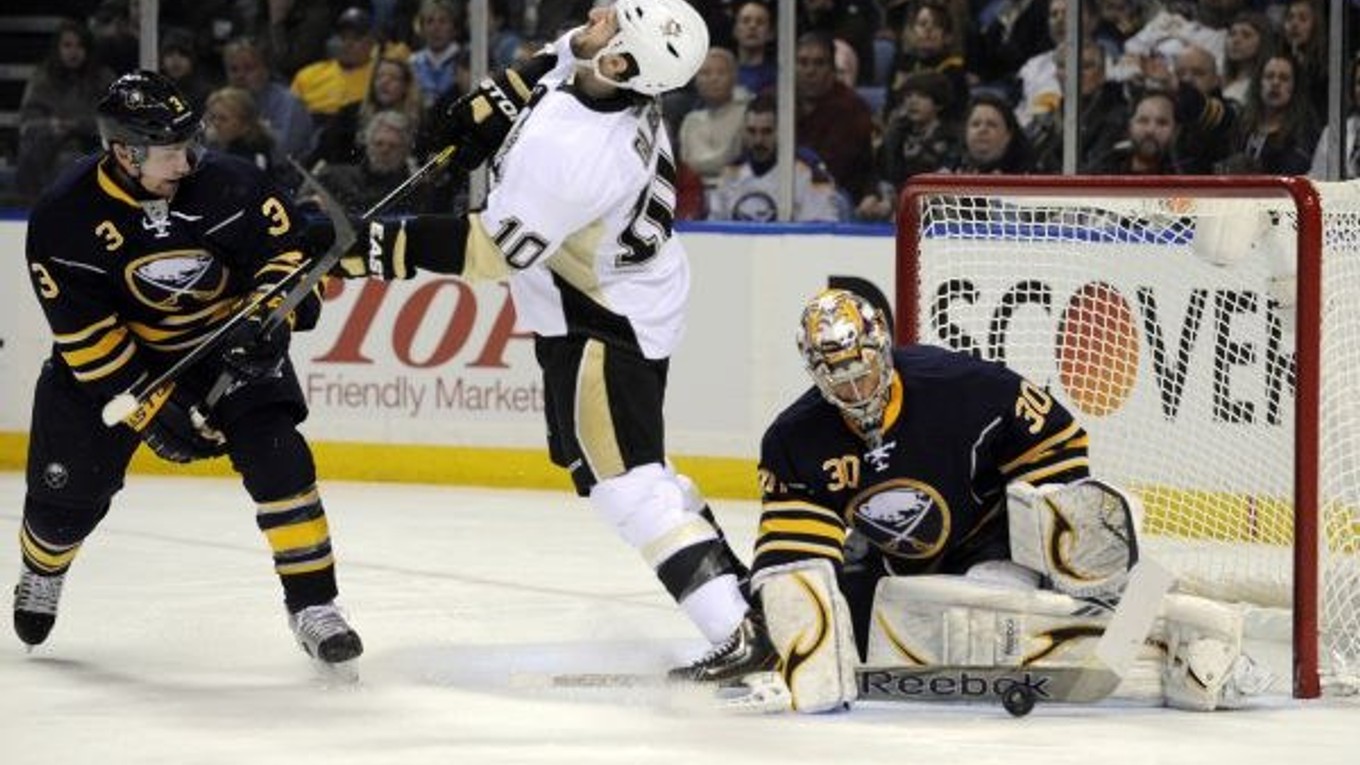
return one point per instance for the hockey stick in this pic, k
(293, 288)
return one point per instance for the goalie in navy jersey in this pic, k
(137, 254)
(921, 506)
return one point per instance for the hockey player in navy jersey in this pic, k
(578, 218)
(921, 506)
(136, 255)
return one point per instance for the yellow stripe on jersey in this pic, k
(804, 527)
(96, 351)
(105, 370)
(799, 505)
(834, 552)
(1040, 474)
(111, 188)
(86, 332)
(1072, 431)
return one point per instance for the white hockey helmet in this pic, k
(667, 41)
(847, 347)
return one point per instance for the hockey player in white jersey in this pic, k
(578, 217)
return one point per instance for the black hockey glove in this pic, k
(170, 427)
(398, 248)
(478, 122)
(252, 354)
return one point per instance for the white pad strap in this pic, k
(1080, 535)
(809, 624)
(1205, 667)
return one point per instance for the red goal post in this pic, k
(1185, 321)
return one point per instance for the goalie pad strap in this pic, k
(809, 624)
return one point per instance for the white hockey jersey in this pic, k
(581, 204)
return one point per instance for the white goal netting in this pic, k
(1169, 321)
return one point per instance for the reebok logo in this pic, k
(959, 683)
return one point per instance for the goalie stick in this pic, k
(292, 289)
(1133, 618)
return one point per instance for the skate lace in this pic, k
(318, 623)
(38, 594)
(719, 651)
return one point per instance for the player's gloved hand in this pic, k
(174, 429)
(379, 252)
(251, 353)
(478, 122)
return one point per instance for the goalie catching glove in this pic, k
(171, 427)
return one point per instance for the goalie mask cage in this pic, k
(1206, 331)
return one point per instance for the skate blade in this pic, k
(338, 675)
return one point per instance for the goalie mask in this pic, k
(847, 348)
(666, 41)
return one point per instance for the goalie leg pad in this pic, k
(954, 620)
(1081, 535)
(809, 624)
(1205, 668)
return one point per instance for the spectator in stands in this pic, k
(288, 121)
(56, 111)
(328, 86)
(1350, 164)
(747, 189)
(1005, 35)
(918, 138)
(992, 139)
(1251, 37)
(928, 43)
(855, 21)
(232, 125)
(393, 87)
(298, 31)
(388, 138)
(1169, 31)
(753, 31)
(1278, 129)
(1150, 146)
(437, 66)
(1117, 21)
(116, 43)
(1305, 34)
(711, 136)
(831, 119)
(1102, 115)
(1204, 117)
(1040, 86)
(505, 36)
(179, 61)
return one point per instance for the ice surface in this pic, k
(172, 647)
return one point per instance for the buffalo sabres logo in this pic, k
(166, 280)
(904, 518)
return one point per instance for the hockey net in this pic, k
(1206, 331)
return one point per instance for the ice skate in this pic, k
(324, 634)
(747, 650)
(35, 605)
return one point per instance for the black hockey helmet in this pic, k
(145, 109)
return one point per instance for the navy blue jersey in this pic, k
(129, 285)
(956, 431)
